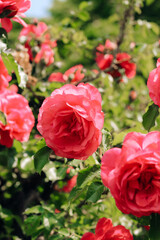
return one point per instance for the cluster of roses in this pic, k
(18, 119)
(42, 49)
(71, 120)
(115, 66)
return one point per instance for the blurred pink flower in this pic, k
(13, 9)
(74, 74)
(153, 84)
(33, 31)
(45, 53)
(4, 76)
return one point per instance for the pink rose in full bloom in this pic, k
(19, 118)
(106, 231)
(71, 120)
(133, 174)
(4, 76)
(153, 84)
(13, 9)
(45, 53)
(74, 74)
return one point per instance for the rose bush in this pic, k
(153, 84)
(13, 9)
(19, 118)
(106, 231)
(133, 173)
(71, 120)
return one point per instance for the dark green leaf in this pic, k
(61, 172)
(41, 158)
(31, 224)
(87, 175)
(154, 232)
(94, 192)
(75, 193)
(150, 116)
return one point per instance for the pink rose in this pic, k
(104, 61)
(13, 9)
(108, 46)
(106, 231)
(45, 53)
(38, 31)
(133, 174)
(74, 74)
(153, 84)
(71, 121)
(4, 76)
(124, 61)
(33, 31)
(19, 117)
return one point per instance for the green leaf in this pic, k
(36, 210)
(41, 144)
(84, 16)
(3, 118)
(41, 158)
(87, 175)
(94, 192)
(12, 66)
(75, 193)
(84, 5)
(149, 2)
(61, 172)
(150, 116)
(31, 224)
